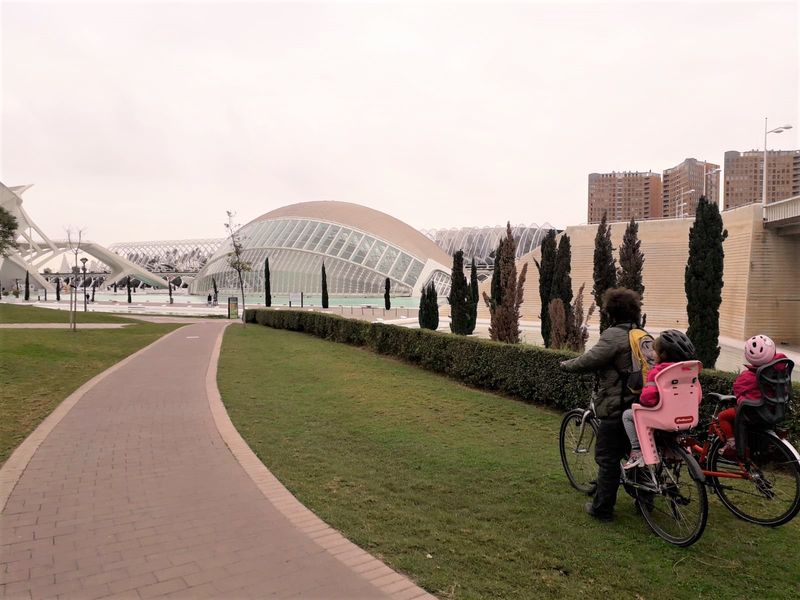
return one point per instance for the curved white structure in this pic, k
(481, 242)
(360, 247)
(33, 254)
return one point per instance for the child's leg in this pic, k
(726, 419)
(630, 429)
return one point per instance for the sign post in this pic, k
(233, 307)
(296, 298)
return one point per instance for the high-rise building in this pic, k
(744, 176)
(684, 184)
(624, 195)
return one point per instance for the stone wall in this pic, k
(762, 275)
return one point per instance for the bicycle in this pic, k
(761, 483)
(670, 490)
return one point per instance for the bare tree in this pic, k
(235, 258)
(558, 324)
(74, 239)
(578, 332)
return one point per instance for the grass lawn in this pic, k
(41, 367)
(463, 490)
(15, 313)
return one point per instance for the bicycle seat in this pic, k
(677, 410)
(721, 397)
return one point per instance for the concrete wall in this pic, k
(762, 275)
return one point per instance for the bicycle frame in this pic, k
(715, 432)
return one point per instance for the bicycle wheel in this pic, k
(677, 507)
(769, 491)
(576, 441)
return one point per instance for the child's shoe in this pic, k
(728, 451)
(635, 460)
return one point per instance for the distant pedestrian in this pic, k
(209, 299)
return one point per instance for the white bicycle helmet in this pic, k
(759, 350)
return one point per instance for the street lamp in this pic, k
(83, 260)
(780, 129)
(73, 298)
(680, 205)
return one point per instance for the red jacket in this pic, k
(649, 395)
(746, 385)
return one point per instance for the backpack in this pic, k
(643, 357)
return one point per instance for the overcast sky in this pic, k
(142, 121)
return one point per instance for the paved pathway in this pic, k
(143, 489)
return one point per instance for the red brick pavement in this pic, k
(134, 494)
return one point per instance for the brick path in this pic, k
(135, 494)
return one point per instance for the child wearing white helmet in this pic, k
(758, 351)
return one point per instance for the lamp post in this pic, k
(73, 298)
(780, 129)
(83, 261)
(680, 205)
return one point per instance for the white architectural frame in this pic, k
(31, 254)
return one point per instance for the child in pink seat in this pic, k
(758, 351)
(671, 346)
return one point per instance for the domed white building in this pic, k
(360, 247)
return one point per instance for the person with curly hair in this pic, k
(609, 358)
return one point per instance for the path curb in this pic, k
(360, 562)
(16, 464)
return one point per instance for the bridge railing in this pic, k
(782, 211)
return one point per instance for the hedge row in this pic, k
(529, 373)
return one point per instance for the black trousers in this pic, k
(612, 446)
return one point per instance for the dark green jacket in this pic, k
(610, 357)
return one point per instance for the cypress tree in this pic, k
(631, 260)
(58, 289)
(459, 296)
(546, 268)
(387, 298)
(422, 316)
(429, 308)
(433, 307)
(27, 286)
(505, 313)
(605, 271)
(216, 292)
(267, 285)
(94, 285)
(703, 281)
(473, 297)
(128, 286)
(497, 289)
(324, 287)
(562, 279)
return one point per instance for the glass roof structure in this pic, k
(481, 242)
(168, 256)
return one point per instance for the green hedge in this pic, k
(529, 373)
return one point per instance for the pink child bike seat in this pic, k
(678, 407)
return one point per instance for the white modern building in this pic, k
(360, 247)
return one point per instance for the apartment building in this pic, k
(744, 176)
(684, 184)
(622, 195)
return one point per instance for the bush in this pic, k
(528, 373)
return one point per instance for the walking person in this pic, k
(609, 359)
